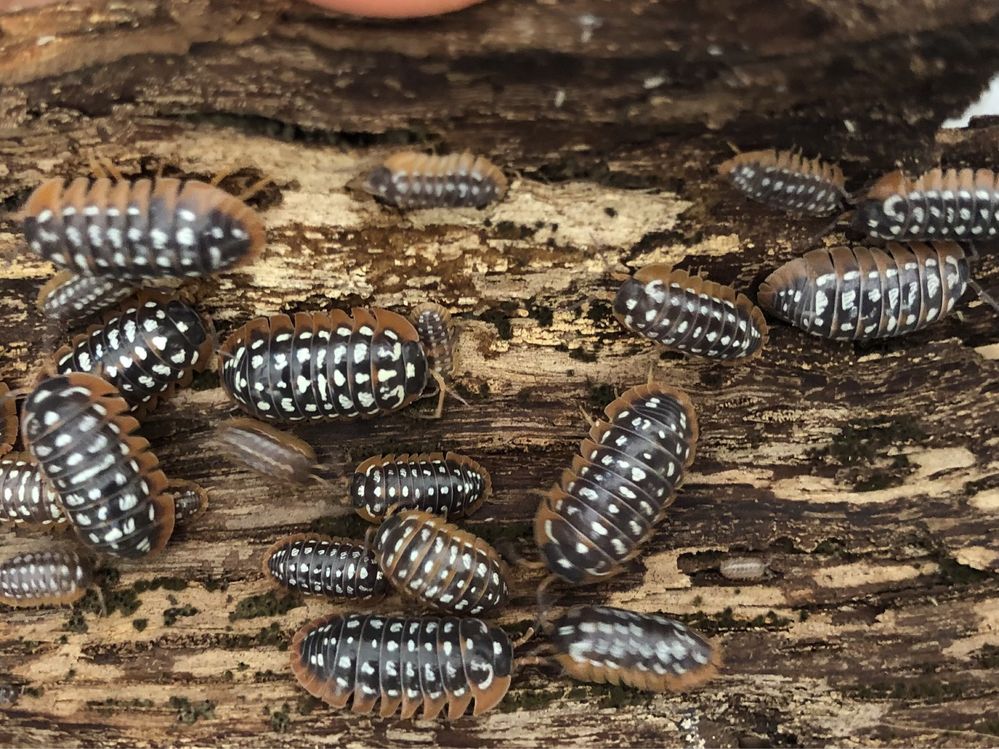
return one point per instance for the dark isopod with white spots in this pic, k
(110, 486)
(403, 663)
(609, 503)
(452, 485)
(787, 181)
(131, 230)
(262, 448)
(324, 366)
(962, 205)
(609, 645)
(436, 330)
(25, 497)
(691, 314)
(425, 557)
(44, 578)
(417, 180)
(69, 297)
(8, 420)
(858, 293)
(147, 350)
(190, 500)
(323, 566)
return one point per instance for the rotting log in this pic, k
(867, 474)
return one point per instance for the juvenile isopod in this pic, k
(436, 331)
(425, 557)
(410, 179)
(8, 419)
(787, 181)
(744, 568)
(691, 314)
(109, 483)
(190, 500)
(25, 497)
(452, 485)
(151, 347)
(44, 578)
(69, 297)
(403, 663)
(132, 230)
(857, 293)
(319, 565)
(324, 366)
(609, 645)
(609, 503)
(962, 205)
(269, 452)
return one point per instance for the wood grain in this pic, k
(867, 474)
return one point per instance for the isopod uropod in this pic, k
(857, 293)
(109, 483)
(608, 504)
(131, 230)
(410, 179)
(691, 314)
(403, 662)
(430, 559)
(44, 578)
(320, 565)
(787, 181)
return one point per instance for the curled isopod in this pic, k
(787, 181)
(268, 451)
(691, 314)
(410, 179)
(44, 578)
(320, 565)
(131, 230)
(69, 297)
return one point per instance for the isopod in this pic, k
(403, 662)
(608, 504)
(452, 485)
(44, 578)
(190, 500)
(436, 331)
(132, 230)
(962, 205)
(425, 557)
(691, 314)
(109, 483)
(787, 181)
(319, 565)
(267, 451)
(744, 568)
(25, 497)
(410, 179)
(69, 297)
(151, 347)
(324, 366)
(858, 293)
(8, 419)
(609, 645)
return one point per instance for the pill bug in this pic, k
(131, 230)
(267, 451)
(8, 419)
(452, 485)
(68, 297)
(609, 645)
(436, 331)
(962, 205)
(787, 181)
(691, 314)
(425, 557)
(44, 578)
(608, 504)
(151, 347)
(25, 497)
(410, 179)
(109, 483)
(744, 568)
(403, 663)
(320, 565)
(324, 365)
(190, 500)
(858, 293)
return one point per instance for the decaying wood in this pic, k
(868, 475)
